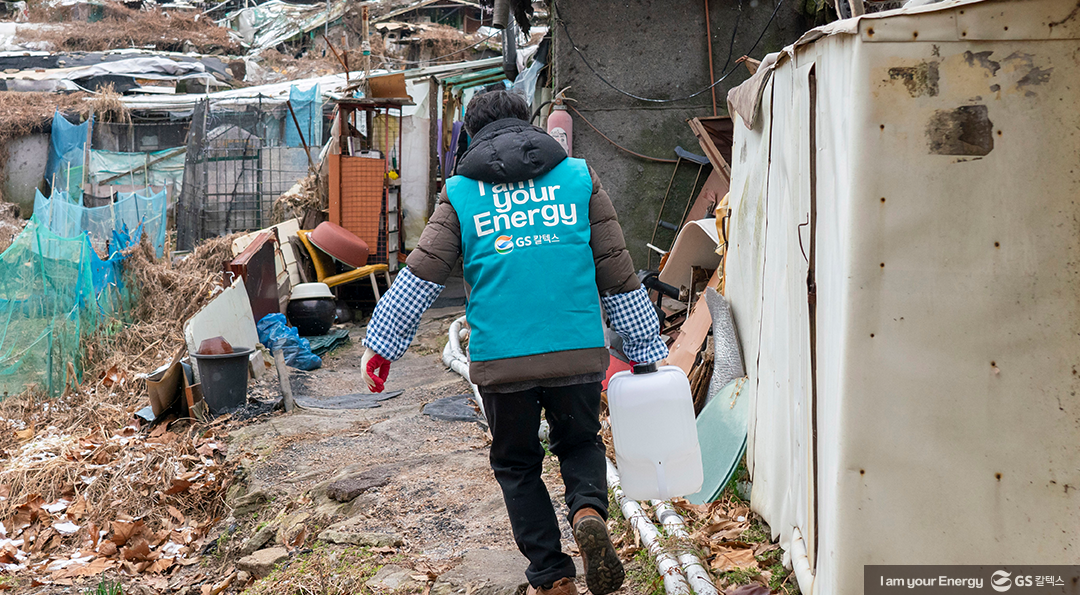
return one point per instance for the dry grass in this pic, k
(123, 27)
(166, 296)
(308, 66)
(84, 446)
(31, 112)
(108, 107)
(10, 224)
(307, 197)
(439, 40)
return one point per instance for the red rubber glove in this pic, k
(376, 369)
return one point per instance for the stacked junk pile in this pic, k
(200, 214)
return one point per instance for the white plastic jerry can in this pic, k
(655, 433)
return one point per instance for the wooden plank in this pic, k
(694, 331)
(705, 139)
(335, 188)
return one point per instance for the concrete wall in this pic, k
(656, 49)
(24, 171)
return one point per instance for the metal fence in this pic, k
(237, 164)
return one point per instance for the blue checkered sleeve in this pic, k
(397, 315)
(633, 316)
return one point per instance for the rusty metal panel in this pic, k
(257, 266)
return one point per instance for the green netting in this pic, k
(53, 292)
(129, 211)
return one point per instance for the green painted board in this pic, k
(721, 428)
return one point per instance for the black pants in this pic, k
(517, 459)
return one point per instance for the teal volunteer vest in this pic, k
(528, 260)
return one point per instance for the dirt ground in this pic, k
(441, 499)
(423, 513)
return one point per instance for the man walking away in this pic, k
(542, 250)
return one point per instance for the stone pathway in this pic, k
(387, 477)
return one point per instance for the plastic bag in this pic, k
(275, 334)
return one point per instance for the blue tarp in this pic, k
(307, 105)
(63, 169)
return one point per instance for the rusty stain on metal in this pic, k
(982, 59)
(966, 130)
(921, 79)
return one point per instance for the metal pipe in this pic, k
(800, 563)
(708, 37)
(457, 360)
(454, 357)
(670, 567)
(501, 14)
(674, 581)
(691, 564)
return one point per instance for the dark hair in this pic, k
(494, 105)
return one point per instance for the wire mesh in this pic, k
(237, 165)
(362, 209)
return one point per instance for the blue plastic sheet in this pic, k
(63, 169)
(307, 105)
(156, 168)
(131, 210)
(276, 334)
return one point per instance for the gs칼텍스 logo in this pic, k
(504, 244)
(1000, 581)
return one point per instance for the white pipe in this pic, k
(674, 527)
(800, 562)
(456, 360)
(674, 581)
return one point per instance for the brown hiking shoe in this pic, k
(603, 569)
(563, 586)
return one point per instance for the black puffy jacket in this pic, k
(514, 151)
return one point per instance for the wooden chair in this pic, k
(324, 266)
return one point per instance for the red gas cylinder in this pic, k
(561, 127)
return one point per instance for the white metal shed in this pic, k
(921, 169)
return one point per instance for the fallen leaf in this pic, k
(161, 565)
(78, 509)
(176, 514)
(107, 549)
(207, 449)
(178, 485)
(113, 377)
(299, 538)
(26, 434)
(97, 566)
(138, 551)
(753, 589)
(730, 559)
(383, 550)
(765, 548)
(126, 530)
